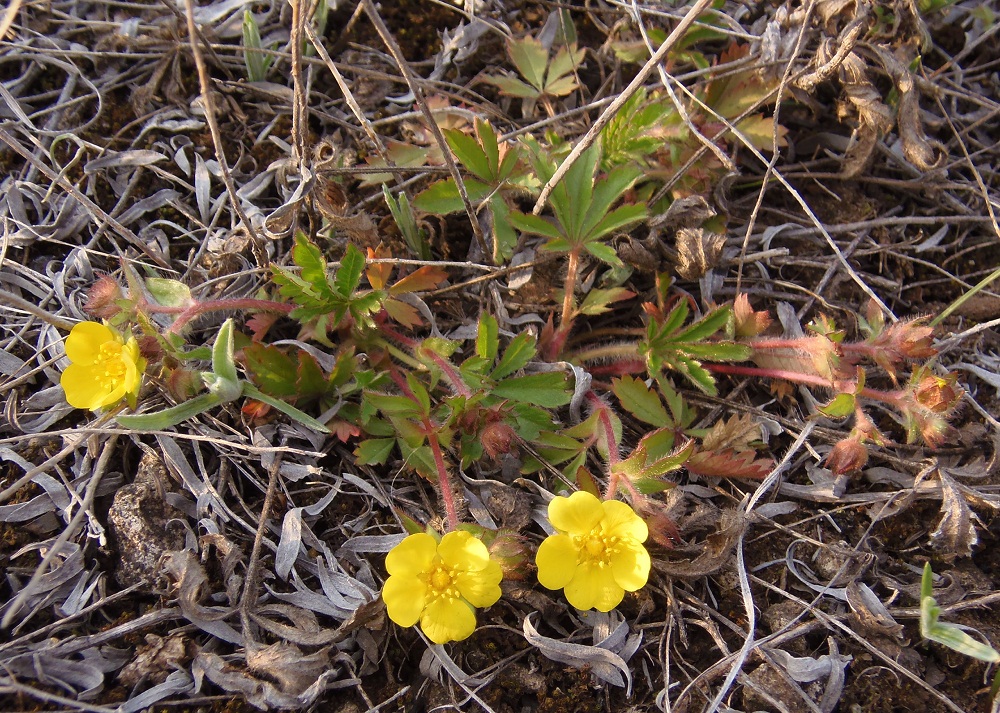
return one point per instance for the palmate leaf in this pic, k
(669, 346)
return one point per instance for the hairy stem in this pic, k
(444, 480)
(186, 314)
(797, 377)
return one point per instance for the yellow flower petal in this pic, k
(481, 589)
(577, 515)
(412, 556)
(556, 559)
(462, 551)
(447, 620)
(621, 520)
(82, 387)
(630, 567)
(84, 342)
(594, 587)
(404, 599)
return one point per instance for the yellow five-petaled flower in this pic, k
(105, 368)
(440, 584)
(597, 554)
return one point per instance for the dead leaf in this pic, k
(955, 535)
(157, 658)
(698, 252)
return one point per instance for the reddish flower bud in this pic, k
(940, 394)
(498, 438)
(183, 384)
(748, 322)
(102, 298)
(848, 455)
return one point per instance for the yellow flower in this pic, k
(440, 584)
(597, 554)
(104, 369)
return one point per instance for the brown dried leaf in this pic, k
(716, 551)
(155, 659)
(697, 252)
(285, 663)
(955, 535)
(738, 431)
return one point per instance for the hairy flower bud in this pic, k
(498, 439)
(102, 298)
(848, 455)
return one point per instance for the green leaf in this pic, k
(948, 634)
(169, 293)
(491, 148)
(222, 353)
(606, 191)
(251, 391)
(504, 237)
(442, 197)
(159, 420)
(604, 253)
(597, 300)
(349, 273)
(519, 352)
(488, 338)
(419, 393)
(841, 406)
(616, 219)
(470, 154)
(308, 257)
(707, 325)
(534, 224)
(550, 389)
(512, 86)
(719, 351)
(393, 405)
(272, 370)
(531, 58)
(374, 451)
(639, 400)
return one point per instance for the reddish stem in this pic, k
(451, 374)
(566, 318)
(186, 314)
(889, 397)
(444, 480)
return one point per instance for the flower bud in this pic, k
(102, 298)
(498, 439)
(848, 455)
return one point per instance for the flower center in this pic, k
(110, 367)
(441, 582)
(598, 547)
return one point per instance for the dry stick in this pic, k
(300, 106)
(84, 200)
(69, 531)
(785, 77)
(213, 126)
(351, 101)
(8, 17)
(989, 209)
(248, 598)
(584, 143)
(748, 603)
(418, 96)
(779, 176)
